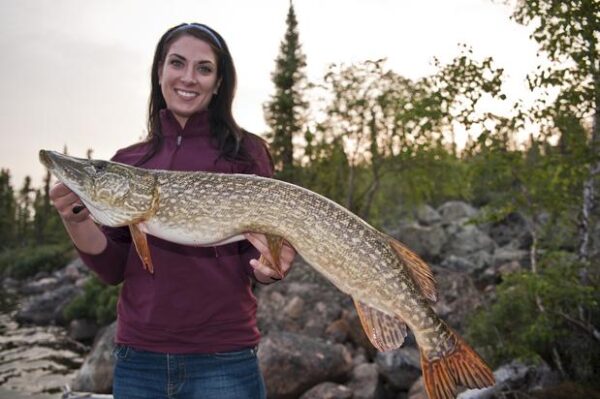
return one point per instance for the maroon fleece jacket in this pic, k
(199, 299)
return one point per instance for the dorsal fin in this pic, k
(418, 268)
(384, 331)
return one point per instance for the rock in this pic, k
(96, 373)
(292, 363)
(454, 211)
(298, 305)
(515, 376)
(467, 239)
(509, 254)
(83, 329)
(328, 390)
(400, 367)
(427, 216)
(458, 296)
(417, 390)
(46, 308)
(426, 241)
(364, 381)
(458, 264)
(512, 230)
(294, 307)
(338, 331)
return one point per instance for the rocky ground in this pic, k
(313, 346)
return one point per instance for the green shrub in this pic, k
(25, 262)
(533, 318)
(97, 302)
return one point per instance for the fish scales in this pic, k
(390, 285)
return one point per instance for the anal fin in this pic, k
(141, 246)
(384, 331)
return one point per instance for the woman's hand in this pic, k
(68, 204)
(263, 272)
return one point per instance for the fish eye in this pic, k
(99, 166)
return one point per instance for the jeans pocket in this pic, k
(242, 354)
(120, 352)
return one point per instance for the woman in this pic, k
(189, 330)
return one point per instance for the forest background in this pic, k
(370, 139)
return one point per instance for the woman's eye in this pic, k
(176, 63)
(205, 69)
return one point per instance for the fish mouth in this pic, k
(46, 159)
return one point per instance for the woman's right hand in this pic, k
(68, 204)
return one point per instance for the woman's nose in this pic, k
(189, 76)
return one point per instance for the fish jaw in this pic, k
(115, 194)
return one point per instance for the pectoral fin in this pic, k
(384, 331)
(141, 245)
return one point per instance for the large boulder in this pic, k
(328, 390)
(515, 377)
(364, 381)
(400, 367)
(293, 363)
(466, 239)
(47, 308)
(427, 216)
(96, 373)
(454, 211)
(426, 241)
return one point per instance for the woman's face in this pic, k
(188, 77)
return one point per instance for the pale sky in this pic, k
(76, 72)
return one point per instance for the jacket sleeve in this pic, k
(262, 166)
(109, 265)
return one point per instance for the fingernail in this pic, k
(78, 208)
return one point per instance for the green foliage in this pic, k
(534, 314)
(285, 112)
(23, 262)
(98, 302)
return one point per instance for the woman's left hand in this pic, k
(264, 273)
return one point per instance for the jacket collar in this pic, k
(197, 125)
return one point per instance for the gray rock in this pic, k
(328, 390)
(509, 254)
(96, 373)
(46, 308)
(512, 230)
(293, 363)
(83, 329)
(426, 241)
(427, 216)
(515, 376)
(453, 211)
(458, 264)
(400, 367)
(467, 239)
(417, 390)
(364, 381)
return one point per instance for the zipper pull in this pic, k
(179, 140)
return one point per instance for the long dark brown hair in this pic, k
(224, 128)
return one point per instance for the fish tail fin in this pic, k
(461, 366)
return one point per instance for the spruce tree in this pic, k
(285, 112)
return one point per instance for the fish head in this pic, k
(115, 194)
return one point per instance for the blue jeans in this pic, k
(150, 375)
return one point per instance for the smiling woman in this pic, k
(188, 77)
(190, 328)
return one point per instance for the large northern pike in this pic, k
(392, 287)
